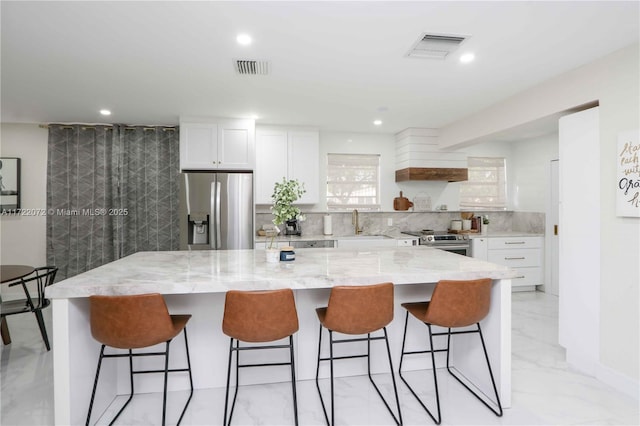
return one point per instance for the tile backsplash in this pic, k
(377, 222)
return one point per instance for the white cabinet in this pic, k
(364, 242)
(212, 144)
(290, 154)
(407, 242)
(524, 254)
(276, 244)
(479, 247)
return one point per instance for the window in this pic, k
(486, 188)
(353, 182)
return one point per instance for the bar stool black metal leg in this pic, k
(226, 400)
(186, 347)
(324, 408)
(433, 366)
(132, 389)
(497, 412)
(393, 378)
(95, 385)
(166, 376)
(435, 377)
(333, 420)
(398, 419)
(493, 382)
(293, 381)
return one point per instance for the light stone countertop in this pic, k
(217, 271)
(500, 234)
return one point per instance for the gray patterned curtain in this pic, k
(111, 191)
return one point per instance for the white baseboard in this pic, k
(618, 381)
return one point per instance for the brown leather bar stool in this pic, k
(357, 310)
(134, 322)
(259, 317)
(453, 304)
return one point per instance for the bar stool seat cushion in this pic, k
(349, 312)
(133, 322)
(454, 305)
(274, 318)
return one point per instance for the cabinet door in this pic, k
(303, 163)
(236, 145)
(479, 248)
(198, 146)
(271, 162)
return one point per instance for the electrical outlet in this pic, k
(389, 222)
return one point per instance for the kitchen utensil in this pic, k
(402, 203)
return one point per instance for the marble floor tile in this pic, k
(545, 390)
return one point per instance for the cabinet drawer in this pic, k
(515, 258)
(514, 242)
(527, 277)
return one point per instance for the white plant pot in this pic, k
(272, 255)
(484, 230)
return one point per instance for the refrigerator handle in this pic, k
(217, 216)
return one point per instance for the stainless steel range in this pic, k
(455, 243)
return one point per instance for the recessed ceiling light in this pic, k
(105, 112)
(244, 39)
(467, 57)
(377, 122)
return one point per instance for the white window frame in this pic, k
(364, 166)
(486, 188)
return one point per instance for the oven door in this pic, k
(462, 249)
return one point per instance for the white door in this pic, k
(579, 239)
(554, 218)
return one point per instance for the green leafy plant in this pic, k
(284, 194)
(485, 219)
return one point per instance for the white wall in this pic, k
(23, 238)
(613, 82)
(530, 174)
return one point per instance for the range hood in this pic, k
(419, 159)
(432, 173)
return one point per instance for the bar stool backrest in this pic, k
(459, 303)
(359, 309)
(130, 322)
(260, 316)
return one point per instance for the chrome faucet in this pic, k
(354, 221)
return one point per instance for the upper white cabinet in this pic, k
(215, 143)
(290, 154)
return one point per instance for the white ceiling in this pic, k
(335, 65)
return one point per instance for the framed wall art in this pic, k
(628, 174)
(9, 184)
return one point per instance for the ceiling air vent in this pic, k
(436, 46)
(251, 67)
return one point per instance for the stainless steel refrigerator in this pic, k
(216, 211)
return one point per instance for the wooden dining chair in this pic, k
(34, 300)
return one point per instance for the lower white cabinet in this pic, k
(524, 254)
(362, 242)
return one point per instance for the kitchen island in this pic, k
(195, 282)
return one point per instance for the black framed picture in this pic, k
(9, 184)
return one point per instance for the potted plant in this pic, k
(485, 224)
(284, 194)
